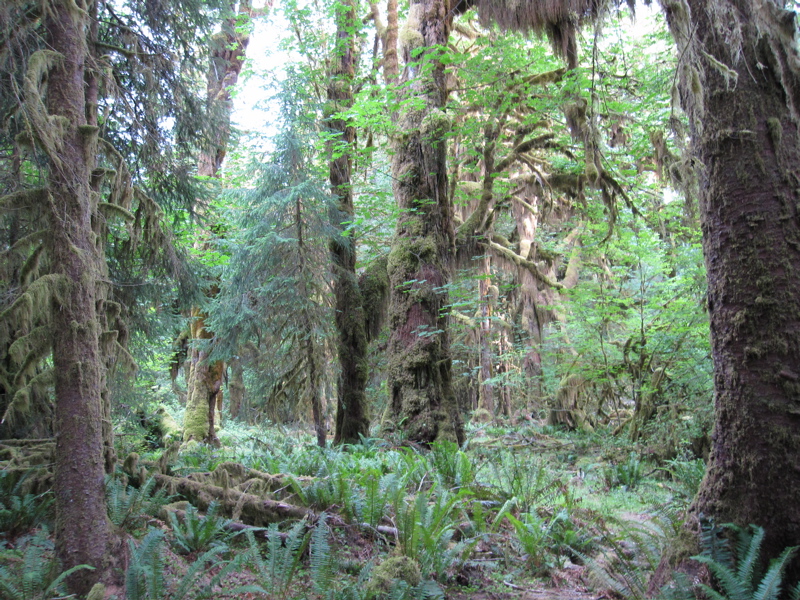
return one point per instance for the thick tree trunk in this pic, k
(351, 410)
(82, 529)
(204, 384)
(420, 383)
(745, 129)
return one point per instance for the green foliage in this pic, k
(197, 533)
(686, 475)
(128, 506)
(20, 510)
(425, 528)
(146, 577)
(452, 465)
(626, 474)
(276, 572)
(526, 483)
(31, 571)
(741, 578)
(320, 558)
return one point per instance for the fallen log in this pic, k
(246, 508)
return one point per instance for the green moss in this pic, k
(775, 131)
(399, 567)
(435, 124)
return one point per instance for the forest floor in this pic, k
(528, 513)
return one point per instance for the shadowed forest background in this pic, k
(497, 300)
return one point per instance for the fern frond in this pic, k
(770, 586)
(747, 553)
(320, 556)
(194, 571)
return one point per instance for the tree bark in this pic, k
(204, 384)
(82, 528)
(420, 381)
(740, 86)
(351, 407)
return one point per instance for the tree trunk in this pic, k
(485, 336)
(742, 96)
(236, 388)
(420, 382)
(82, 529)
(351, 409)
(204, 384)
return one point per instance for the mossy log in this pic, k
(252, 509)
(243, 479)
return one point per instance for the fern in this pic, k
(197, 533)
(320, 556)
(19, 511)
(736, 579)
(283, 557)
(127, 506)
(145, 578)
(34, 575)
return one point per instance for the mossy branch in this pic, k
(20, 406)
(29, 240)
(47, 129)
(23, 199)
(36, 342)
(31, 266)
(109, 210)
(530, 266)
(36, 300)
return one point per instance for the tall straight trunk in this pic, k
(485, 335)
(351, 410)
(744, 119)
(82, 528)
(420, 380)
(204, 394)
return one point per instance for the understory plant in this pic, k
(30, 572)
(197, 533)
(19, 509)
(739, 575)
(146, 577)
(127, 506)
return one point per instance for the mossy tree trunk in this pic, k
(82, 528)
(351, 410)
(487, 400)
(420, 384)
(204, 394)
(739, 84)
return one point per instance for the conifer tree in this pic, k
(88, 93)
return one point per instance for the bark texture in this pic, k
(420, 381)
(82, 529)
(351, 410)
(739, 84)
